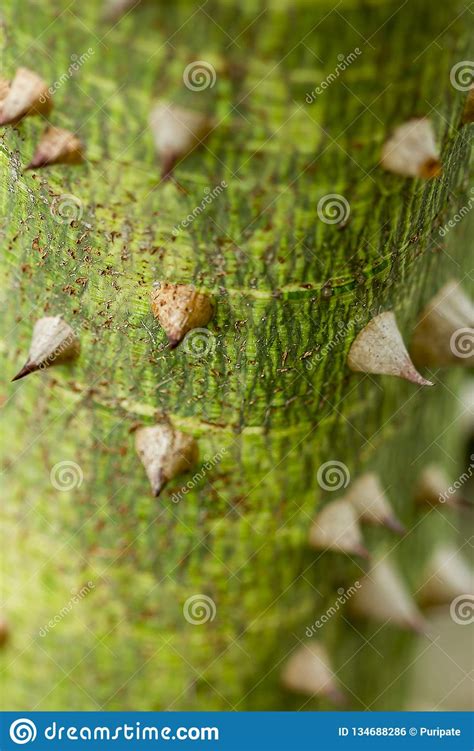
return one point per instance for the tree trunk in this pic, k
(267, 393)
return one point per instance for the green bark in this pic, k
(285, 284)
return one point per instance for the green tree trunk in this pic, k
(272, 397)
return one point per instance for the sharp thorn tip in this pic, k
(394, 525)
(26, 370)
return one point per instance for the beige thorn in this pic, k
(4, 631)
(445, 577)
(468, 113)
(466, 408)
(444, 334)
(177, 131)
(379, 348)
(372, 505)
(28, 95)
(113, 9)
(53, 342)
(308, 671)
(57, 146)
(4, 89)
(382, 596)
(165, 453)
(179, 308)
(411, 151)
(433, 488)
(336, 528)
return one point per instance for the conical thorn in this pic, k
(26, 370)
(392, 523)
